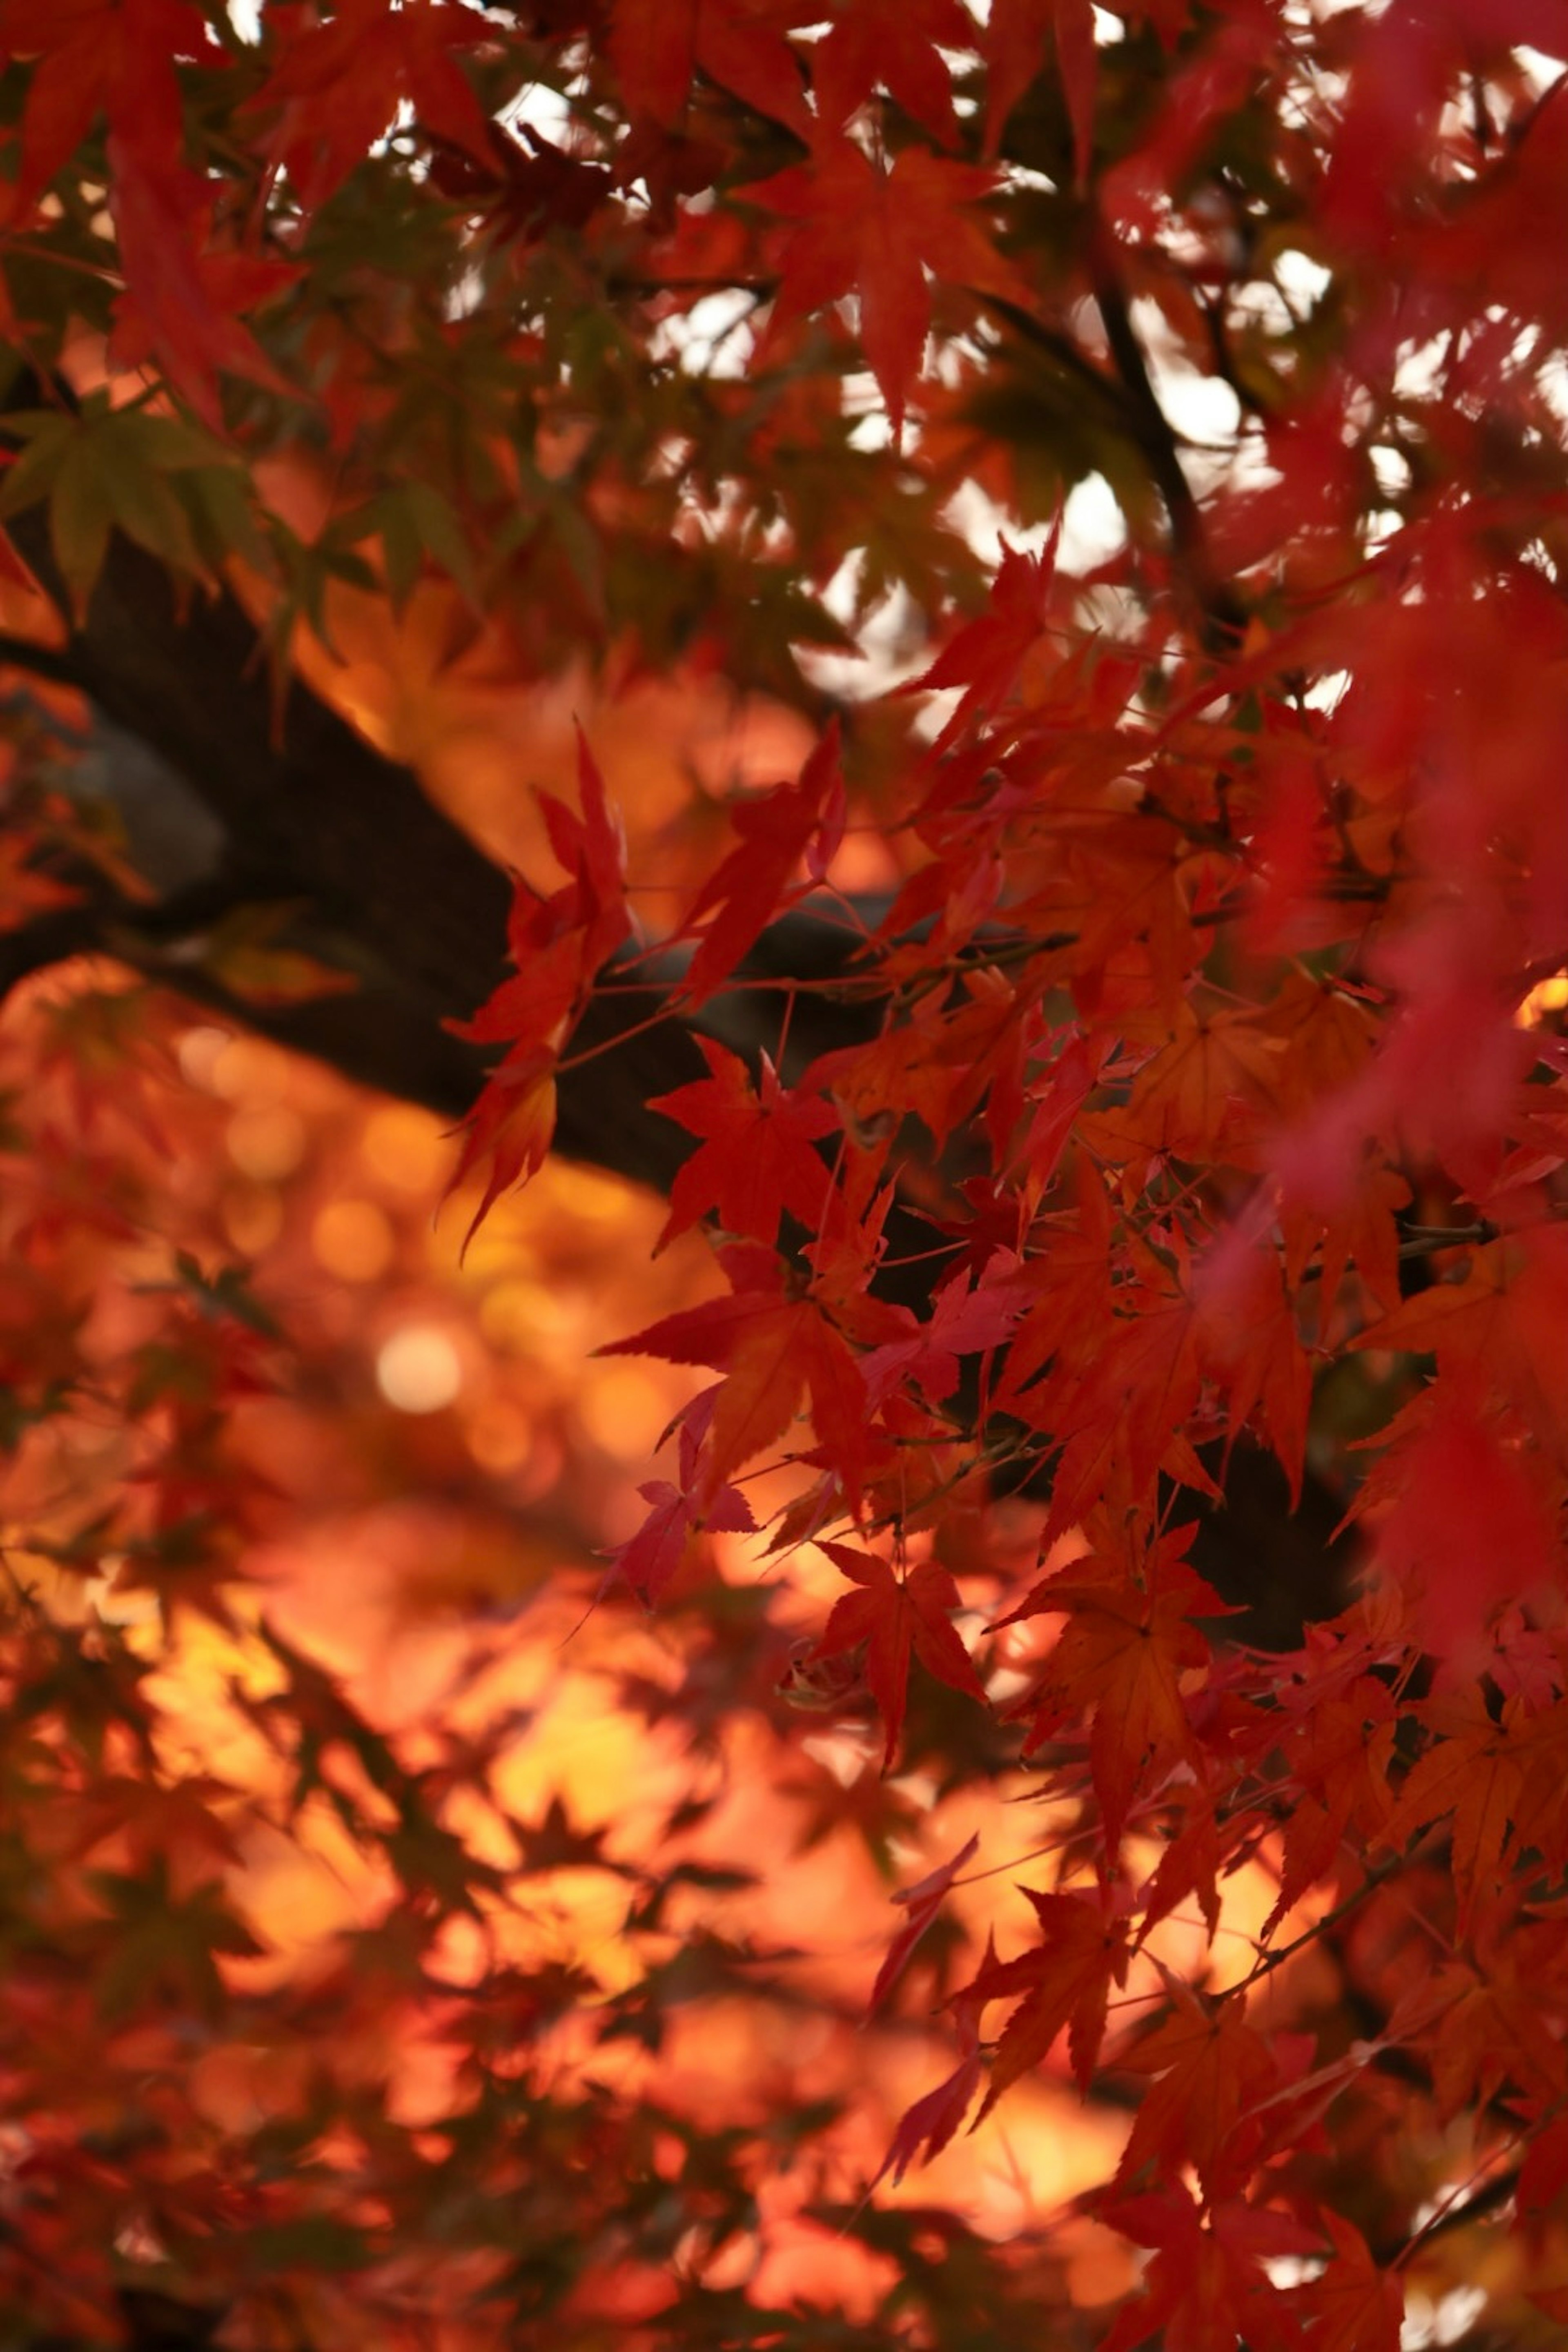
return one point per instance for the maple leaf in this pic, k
(756, 1158)
(896, 49)
(1018, 35)
(335, 87)
(773, 1345)
(877, 234)
(114, 56)
(558, 944)
(1461, 1516)
(657, 46)
(1127, 1644)
(928, 2126)
(652, 1557)
(1474, 1768)
(508, 1132)
(1504, 1317)
(1066, 1982)
(796, 822)
(1356, 2306)
(964, 1321)
(1247, 1323)
(1207, 2287)
(1213, 2071)
(897, 1615)
(921, 1903)
(180, 299)
(1485, 2023)
(986, 656)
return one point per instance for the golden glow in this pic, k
(354, 1239)
(624, 1410)
(252, 1217)
(267, 1140)
(1546, 996)
(499, 1437)
(407, 1149)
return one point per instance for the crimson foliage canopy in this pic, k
(1115, 1064)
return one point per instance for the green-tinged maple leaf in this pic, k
(109, 469)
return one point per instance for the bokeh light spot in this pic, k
(418, 1369)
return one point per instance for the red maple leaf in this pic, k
(558, 944)
(653, 1556)
(985, 656)
(896, 49)
(657, 46)
(897, 1615)
(1127, 1644)
(1357, 2307)
(181, 298)
(927, 2127)
(878, 235)
(1018, 35)
(1215, 2071)
(964, 1322)
(921, 1902)
(796, 823)
(1066, 1982)
(509, 1131)
(773, 1344)
(1207, 2287)
(113, 57)
(336, 86)
(756, 1158)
